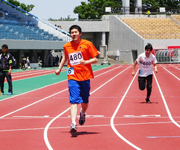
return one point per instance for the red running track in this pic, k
(118, 117)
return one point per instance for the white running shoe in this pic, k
(73, 127)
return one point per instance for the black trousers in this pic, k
(4, 74)
(146, 82)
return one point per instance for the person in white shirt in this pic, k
(145, 61)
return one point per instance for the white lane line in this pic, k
(108, 71)
(117, 109)
(47, 85)
(142, 116)
(48, 125)
(40, 73)
(39, 100)
(171, 73)
(46, 116)
(33, 103)
(88, 126)
(165, 104)
(158, 137)
(175, 67)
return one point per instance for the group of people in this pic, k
(25, 63)
(58, 26)
(80, 54)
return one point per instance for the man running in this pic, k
(80, 54)
(146, 60)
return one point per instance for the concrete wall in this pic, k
(123, 39)
(162, 43)
(27, 44)
(91, 30)
(87, 26)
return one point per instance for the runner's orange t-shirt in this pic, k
(75, 52)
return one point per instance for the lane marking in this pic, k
(48, 125)
(112, 118)
(165, 104)
(87, 126)
(24, 75)
(40, 99)
(158, 137)
(90, 116)
(33, 103)
(45, 86)
(141, 116)
(46, 116)
(174, 67)
(171, 73)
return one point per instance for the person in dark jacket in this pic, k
(5, 69)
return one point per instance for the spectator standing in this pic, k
(148, 13)
(5, 69)
(28, 61)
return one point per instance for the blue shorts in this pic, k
(79, 91)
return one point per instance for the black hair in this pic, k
(148, 46)
(75, 27)
(5, 46)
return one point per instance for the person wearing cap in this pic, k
(5, 69)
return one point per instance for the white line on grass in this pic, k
(112, 118)
(48, 125)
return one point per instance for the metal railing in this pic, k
(168, 56)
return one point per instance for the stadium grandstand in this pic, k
(123, 37)
(28, 35)
(120, 37)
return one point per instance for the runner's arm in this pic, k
(63, 61)
(90, 61)
(134, 66)
(155, 68)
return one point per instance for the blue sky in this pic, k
(55, 9)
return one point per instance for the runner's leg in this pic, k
(142, 82)
(73, 111)
(149, 86)
(2, 77)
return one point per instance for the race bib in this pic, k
(140, 72)
(75, 58)
(70, 71)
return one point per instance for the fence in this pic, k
(168, 56)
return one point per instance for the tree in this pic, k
(62, 19)
(94, 9)
(23, 6)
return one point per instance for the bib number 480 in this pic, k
(75, 58)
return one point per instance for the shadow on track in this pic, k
(76, 134)
(147, 103)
